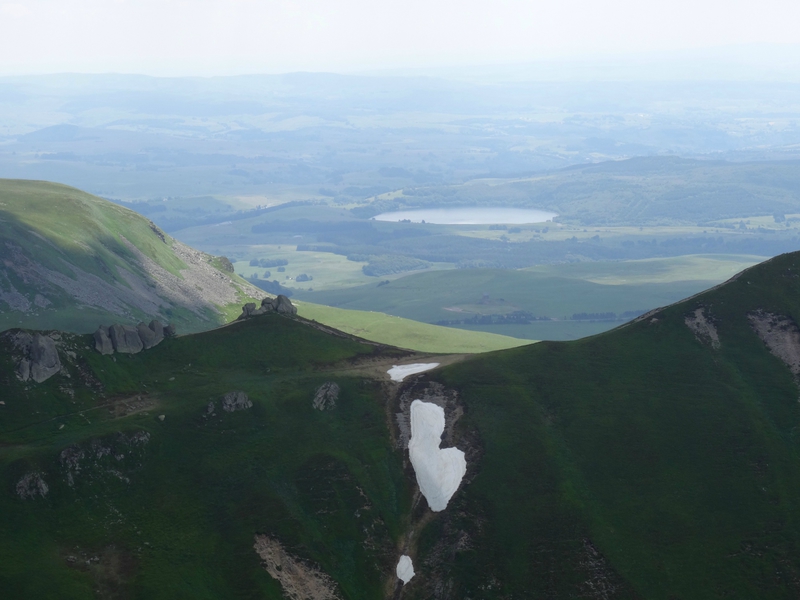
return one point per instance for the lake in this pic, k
(469, 216)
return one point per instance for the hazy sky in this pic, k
(205, 37)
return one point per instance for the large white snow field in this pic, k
(439, 471)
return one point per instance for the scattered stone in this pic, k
(233, 401)
(211, 409)
(326, 396)
(32, 485)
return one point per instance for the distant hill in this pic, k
(269, 459)
(71, 260)
(638, 191)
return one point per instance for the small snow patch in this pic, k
(439, 471)
(405, 569)
(400, 372)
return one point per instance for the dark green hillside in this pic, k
(658, 460)
(70, 260)
(644, 460)
(169, 508)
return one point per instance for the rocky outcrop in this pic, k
(280, 304)
(39, 360)
(32, 485)
(703, 327)
(102, 342)
(781, 335)
(326, 396)
(233, 401)
(299, 580)
(126, 339)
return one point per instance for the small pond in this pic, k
(469, 216)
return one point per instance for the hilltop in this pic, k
(71, 260)
(269, 458)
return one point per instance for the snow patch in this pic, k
(405, 569)
(439, 471)
(400, 372)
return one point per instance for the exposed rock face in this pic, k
(130, 340)
(283, 305)
(44, 358)
(32, 485)
(280, 304)
(125, 338)
(102, 343)
(326, 396)
(149, 337)
(158, 329)
(781, 335)
(40, 359)
(299, 581)
(703, 328)
(233, 401)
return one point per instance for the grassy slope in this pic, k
(679, 463)
(202, 487)
(637, 463)
(405, 333)
(58, 226)
(555, 291)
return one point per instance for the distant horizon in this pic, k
(729, 63)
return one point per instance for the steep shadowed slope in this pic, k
(71, 260)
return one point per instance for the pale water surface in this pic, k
(469, 216)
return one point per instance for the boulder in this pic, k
(281, 304)
(326, 396)
(233, 401)
(44, 358)
(170, 331)
(102, 343)
(157, 328)
(24, 370)
(248, 310)
(284, 306)
(148, 336)
(125, 339)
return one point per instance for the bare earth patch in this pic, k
(703, 328)
(781, 335)
(299, 580)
